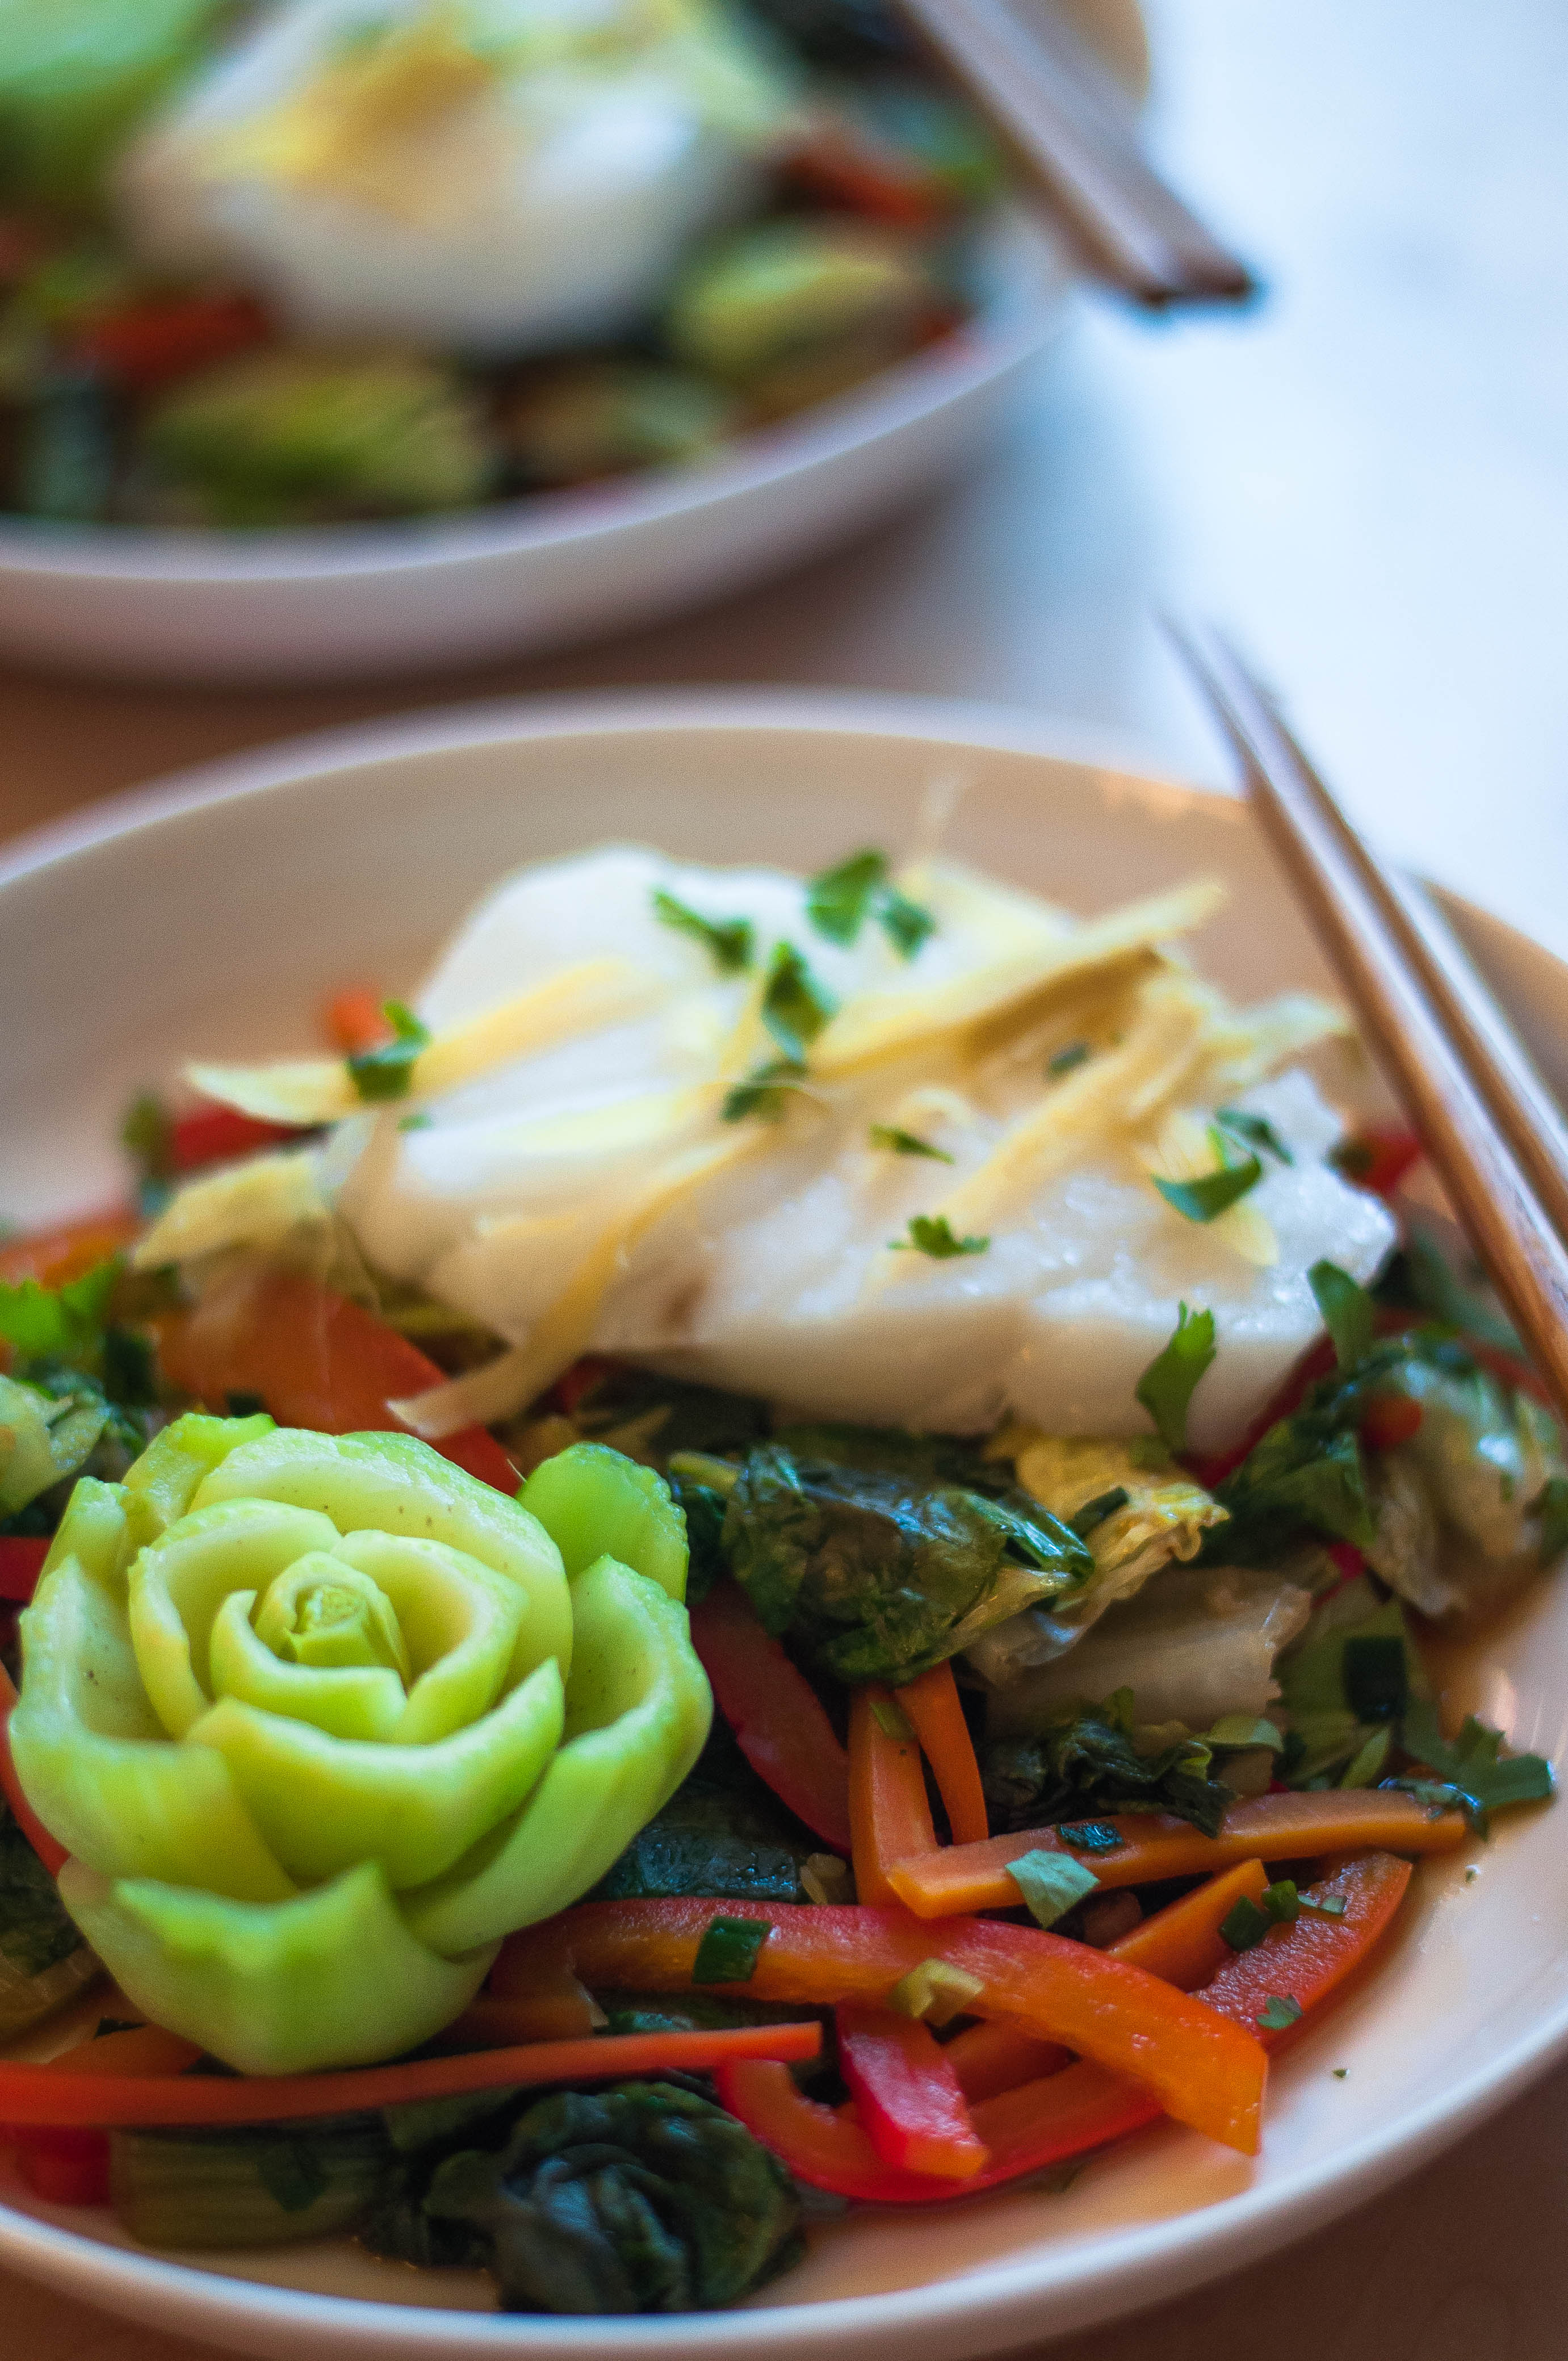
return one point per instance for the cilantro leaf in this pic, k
(1485, 1781)
(1077, 1053)
(1212, 1193)
(729, 943)
(387, 1070)
(905, 923)
(1167, 1386)
(1348, 1311)
(932, 1234)
(1254, 1130)
(904, 1143)
(795, 1007)
(762, 1091)
(59, 1324)
(839, 900)
(1278, 2012)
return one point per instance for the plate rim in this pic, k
(1111, 2273)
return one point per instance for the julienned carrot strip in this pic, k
(932, 1705)
(45, 2094)
(356, 1020)
(1199, 2069)
(964, 1878)
(1305, 1961)
(51, 1853)
(778, 1718)
(889, 1817)
(137, 2049)
(1183, 1942)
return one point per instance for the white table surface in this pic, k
(1369, 478)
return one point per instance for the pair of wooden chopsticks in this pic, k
(1071, 131)
(1493, 1132)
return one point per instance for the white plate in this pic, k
(345, 600)
(215, 914)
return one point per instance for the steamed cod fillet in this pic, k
(766, 1263)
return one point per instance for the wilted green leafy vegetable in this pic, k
(1087, 1762)
(642, 2198)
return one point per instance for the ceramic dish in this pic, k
(220, 908)
(361, 600)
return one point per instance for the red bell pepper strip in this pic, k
(163, 338)
(51, 1853)
(219, 1135)
(889, 1817)
(1286, 1827)
(1205, 2073)
(64, 2167)
(1082, 2107)
(21, 1563)
(906, 2093)
(1380, 1156)
(775, 1712)
(843, 168)
(931, 1703)
(47, 2094)
(315, 1359)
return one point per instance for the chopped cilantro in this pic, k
(1255, 1131)
(729, 942)
(762, 1091)
(839, 900)
(1077, 1053)
(904, 1143)
(1482, 1780)
(1244, 1923)
(1090, 1836)
(1094, 1512)
(1167, 1386)
(1212, 1193)
(932, 1234)
(1051, 1884)
(728, 1952)
(1338, 2073)
(1277, 2011)
(1348, 1311)
(387, 1070)
(795, 1007)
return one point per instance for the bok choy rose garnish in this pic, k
(321, 1717)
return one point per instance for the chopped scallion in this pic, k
(387, 1070)
(932, 1234)
(1051, 1884)
(728, 1952)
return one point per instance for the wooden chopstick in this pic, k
(1437, 1075)
(1070, 130)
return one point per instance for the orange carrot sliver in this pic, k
(961, 1879)
(354, 1021)
(1182, 1943)
(137, 2049)
(994, 2056)
(933, 1706)
(889, 1817)
(47, 2094)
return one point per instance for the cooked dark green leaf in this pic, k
(1090, 1836)
(1376, 1679)
(387, 1070)
(1087, 1763)
(904, 1143)
(1349, 1312)
(932, 1234)
(881, 1573)
(729, 942)
(1167, 1386)
(641, 2198)
(1094, 1512)
(795, 1007)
